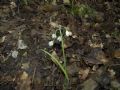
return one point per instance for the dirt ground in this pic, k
(93, 53)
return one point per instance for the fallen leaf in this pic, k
(21, 44)
(24, 76)
(116, 53)
(2, 39)
(96, 56)
(25, 66)
(24, 83)
(95, 45)
(72, 69)
(91, 60)
(83, 73)
(95, 41)
(89, 84)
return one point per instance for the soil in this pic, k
(93, 53)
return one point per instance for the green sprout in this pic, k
(57, 62)
(59, 35)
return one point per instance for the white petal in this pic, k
(14, 54)
(68, 33)
(59, 38)
(54, 36)
(51, 43)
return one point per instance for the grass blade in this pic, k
(57, 63)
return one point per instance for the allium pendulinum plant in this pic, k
(59, 35)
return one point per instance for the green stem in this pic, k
(63, 51)
(64, 57)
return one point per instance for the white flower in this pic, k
(59, 38)
(21, 44)
(14, 54)
(68, 33)
(51, 43)
(54, 36)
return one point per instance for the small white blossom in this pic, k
(59, 38)
(51, 43)
(54, 36)
(68, 33)
(74, 36)
(21, 44)
(14, 54)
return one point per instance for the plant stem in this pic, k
(64, 57)
(63, 51)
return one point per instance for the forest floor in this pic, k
(92, 52)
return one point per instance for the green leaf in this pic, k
(56, 61)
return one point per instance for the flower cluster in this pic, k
(57, 35)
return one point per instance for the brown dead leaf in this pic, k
(95, 41)
(25, 66)
(72, 69)
(2, 39)
(89, 84)
(95, 67)
(83, 73)
(96, 56)
(95, 45)
(24, 76)
(116, 53)
(24, 82)
(91, 60)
